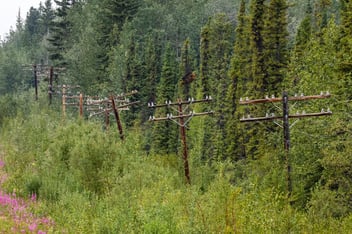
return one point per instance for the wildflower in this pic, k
(33, 197)
(32, 227)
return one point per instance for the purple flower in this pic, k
(32, 227)
(34, 197)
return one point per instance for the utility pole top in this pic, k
(285, 118)
(183, 119)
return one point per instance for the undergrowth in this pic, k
(89, 181)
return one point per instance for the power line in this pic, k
(285, 118)
(183, 120)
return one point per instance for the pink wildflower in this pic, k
(32, 227)
(34, 197)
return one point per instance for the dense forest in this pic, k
(246, 175)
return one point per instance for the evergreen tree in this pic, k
(321, 14)
(336, 178)
(216, 40)
(304, 31)
(345, 55)
(60, 32)
(152, 72)
(152, 67)
(186, 72)
(204, 75)
(83, 56)
(259, 72)
(258, 83)
(120, 11)
(240, 75)
(47, 16)
(165, 133)
(276, 45)
(19, 22)
(302, 41)
(113, 15)
(33, 27)
(134, 80)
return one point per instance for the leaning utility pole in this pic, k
(285, 118)
(114, 103)
(183, 119)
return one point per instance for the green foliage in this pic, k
(216, 41)
(240, 78)
(258, 70)
(165, 133)
(90, 181)
(60, 32)
(345, 65)
(276, 45)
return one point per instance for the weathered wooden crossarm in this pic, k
(268, 118)
(169, 103)
(71, 104)
(279, 99)
(170, 117)
(127, 105)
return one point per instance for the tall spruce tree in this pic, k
(216, 41)
(134, 80)
(259, 72)
(165, 133)
(240, 76)
(60, 32)
(302, 42)
(33, 28)
(152, 67)
(304, 31)
(204, 74)
(258, 83)
(186, 72)
(345, 55)
(114, 14)
(276, 45)
(47, 16)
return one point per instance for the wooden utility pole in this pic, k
(183, 119)
(51, 90)
(118, 103)
(64, 100)
(35, 81)
(81, 105)
(65, 91)
(285, 118)
(117, 117)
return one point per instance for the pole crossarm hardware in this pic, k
(285, 118)
(271, 99)
(171, 117)
(188, 102)
(97, 105)
(268, 118)
(183, 120)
